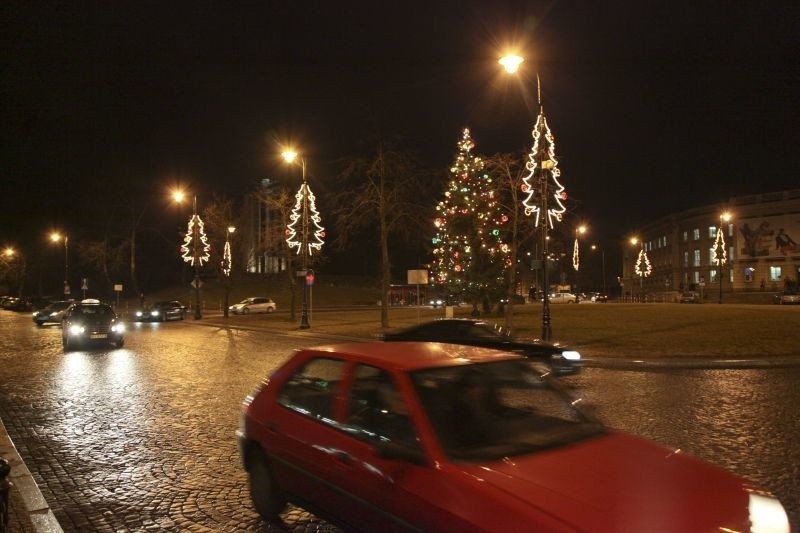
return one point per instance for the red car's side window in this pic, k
(312, 389)
(377, 410)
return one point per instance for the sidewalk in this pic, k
(28, 510)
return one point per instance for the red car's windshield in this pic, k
(495, 410)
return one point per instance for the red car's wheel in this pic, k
(266, 495)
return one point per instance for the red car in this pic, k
(442, 437)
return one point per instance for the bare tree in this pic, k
(508, 171)
(381, 190)
(103, 256)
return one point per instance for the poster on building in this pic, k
(772, 236)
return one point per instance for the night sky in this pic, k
(656, 107)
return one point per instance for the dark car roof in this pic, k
(458, 329)
(408, 356)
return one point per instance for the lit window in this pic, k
(712, 274)
(696, 277)
(685, 236)
(696, 234)
(774, 273)
(696, 258)
(731, 230)
(712, 232)
(748, 274)
(685, 259)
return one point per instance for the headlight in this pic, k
(571, 355)
(767, 514)
(76, 329)
(153, 313)
(118, 328)
(139, 313)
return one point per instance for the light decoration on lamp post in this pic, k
(302, 216)
(720, 254)
(227, 266)
(196, 250)
(642, 267)
(545, 194)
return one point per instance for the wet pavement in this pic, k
(142, 438)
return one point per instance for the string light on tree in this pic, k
(294, 231)
(226, 259)
(469, 252)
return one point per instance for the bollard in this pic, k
(5, 489)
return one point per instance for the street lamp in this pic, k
(576, 263)
(291, 156)
(543, 168)
(197, 254)
(227, 266)
(56, 237)
(720, 254)
(602, 266)
(642, 267)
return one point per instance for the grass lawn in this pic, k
(734, 330)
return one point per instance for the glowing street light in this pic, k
(290, 156)
(197, 254)
(720, 254)
(56, 237)
(227, 266)
(543, 168)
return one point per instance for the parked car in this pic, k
(690, 297)
(437, 437)
(162, 311)
(787, 298)
(472, 332)
(90, 321)
(563, 298)
(15, 303)
(53, 313)
(256, 304)
(599, 297)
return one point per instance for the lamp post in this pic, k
(291, 156)
(720, 254)
(227, 266)
(576, 263)
(543, 167)
(56, 237)
(642, 267)
(197, 254)
(602, 266)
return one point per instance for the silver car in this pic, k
(256, 304)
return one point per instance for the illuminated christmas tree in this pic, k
(195, 252)
(294, 231)
(470, 256)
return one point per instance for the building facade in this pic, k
(761, 248)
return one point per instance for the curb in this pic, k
(37, 515)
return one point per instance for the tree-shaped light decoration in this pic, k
(643, 267)
(227, 262)
(720, 254)
(543, 165)
(195, 249)
(468, 248)
(294, 231)
(575, 259)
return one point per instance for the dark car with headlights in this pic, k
(472, 332)
(162, 311)
(413, 436)
(53, 313)
(91, 322)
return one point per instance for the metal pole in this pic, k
(196, 252)
(304, 313)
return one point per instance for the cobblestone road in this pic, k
(140, 438)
